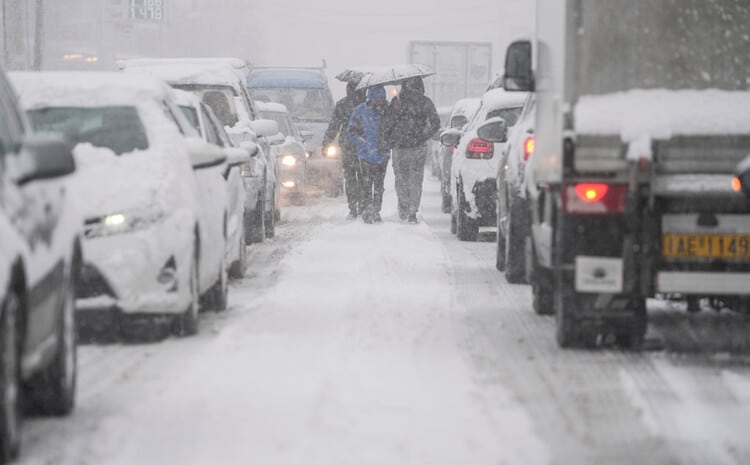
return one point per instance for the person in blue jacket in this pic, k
(366, 134)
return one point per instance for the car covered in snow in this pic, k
(434, 146)
(154, 209)
(512, 208)
(202, 118)
(475, 164)
(290, 153)
(40, 260)
(462, 111)
(220, 84)
(305, 93)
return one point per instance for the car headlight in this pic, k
(119, 223)
(331, 151)
(289, 160)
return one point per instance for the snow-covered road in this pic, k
(397, 344)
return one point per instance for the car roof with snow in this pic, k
(235, 63)
(500, 98)
(86, 88)
(272, 107)
(466, 106)
(177, 72)
(287, 77)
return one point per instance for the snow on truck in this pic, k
(636, 187)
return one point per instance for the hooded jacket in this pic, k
(365, 127)
(412, 118)
(341, 114)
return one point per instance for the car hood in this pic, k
(105, 183)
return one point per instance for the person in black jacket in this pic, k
(410, 122)
(338, 127)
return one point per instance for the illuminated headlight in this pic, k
(308, 154)
(331, 151)
(289, 160)
(119, 223)
(289, 184)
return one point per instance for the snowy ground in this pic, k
(397, 344)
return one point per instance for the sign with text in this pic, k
(147, 10)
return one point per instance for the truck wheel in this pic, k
(467, 229)
(11, 414)
(634, 336)
(693, 304)
(52, 391)
(515, 249)
(257, 224)
(566, 304)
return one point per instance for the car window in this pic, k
(211, 135)
(510, 115)
(118, 128)
(219, 98)
(216, 124)
(303, 104)
(458, 121)
(192, 116)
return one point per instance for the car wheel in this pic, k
(270, 222)
(467, 228)
(257, 224)
(187, 322)
(10, 375)
(52, 391)
(238, 267)
(454, 222)
(499, 247)
(219, 292)
(515, 249)
(446, 204)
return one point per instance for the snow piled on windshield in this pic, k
(640, 116)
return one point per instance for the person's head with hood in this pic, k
(353, 93)
(415, 84)
(376, 97)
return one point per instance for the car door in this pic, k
(35, 211)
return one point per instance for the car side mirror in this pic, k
(236, 156)
(306, 135)
(264, 127)
(204, 155)
(493, 130)
(743, 175)
(450, 137)
(45, 156)
(519, 75)
(251, 147)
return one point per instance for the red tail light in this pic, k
(480, 149)
(602, 199)
(528, 148)
(453, 150)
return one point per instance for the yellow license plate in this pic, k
(727, 246)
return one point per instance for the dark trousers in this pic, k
(352, 176)
(408, 166)
(373, 177)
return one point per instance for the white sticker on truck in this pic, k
(599, 275)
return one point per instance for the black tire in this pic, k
(270, 222)
(634, 336)
(542, 296)
(11, 414)
(693, 304)
(515, 250)
(454, 225)
(238, 267)
(256, 227)
(187, 322)
(566, 304)
(52, 391)
(218, 296)
(446, 204)
(467, 229)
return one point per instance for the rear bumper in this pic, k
(703, 283)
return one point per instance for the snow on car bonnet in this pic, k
(640, 116)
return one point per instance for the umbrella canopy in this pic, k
(395, 74)
(355, 74)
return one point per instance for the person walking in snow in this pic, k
(338, 128)
(412, 120)
(365, 132)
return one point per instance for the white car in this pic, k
(154, 210)
(210, 129)
(462, 111)
(220, 84)
(40, 260)
(475, 165)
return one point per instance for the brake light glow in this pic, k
(736, 184)
(528, 148)
(595, 198)
(480, 149)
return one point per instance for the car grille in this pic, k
(93, 284)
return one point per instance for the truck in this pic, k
(639, 183)
(462, 69)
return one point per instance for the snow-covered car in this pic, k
(512, 208)
(220, 84)
(210, 129)
(290, 153)
(305, 93)
(462, 111)
(475, 164)
(434, 145)
(40, 260)
(154, 208)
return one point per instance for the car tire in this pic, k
(270, 222)
(218, 295)
(187, 322)
(256, 227)
(499, 248)
(446, 204)
(238, 267)
(467, 229)
(11, 414)
(515, 243)
(52, 391)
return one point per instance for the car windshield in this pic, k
(221, 99)
(458, 121)
(303, 104)
(192, 116)
(281, 119)
(510, 115)
(118, 128)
